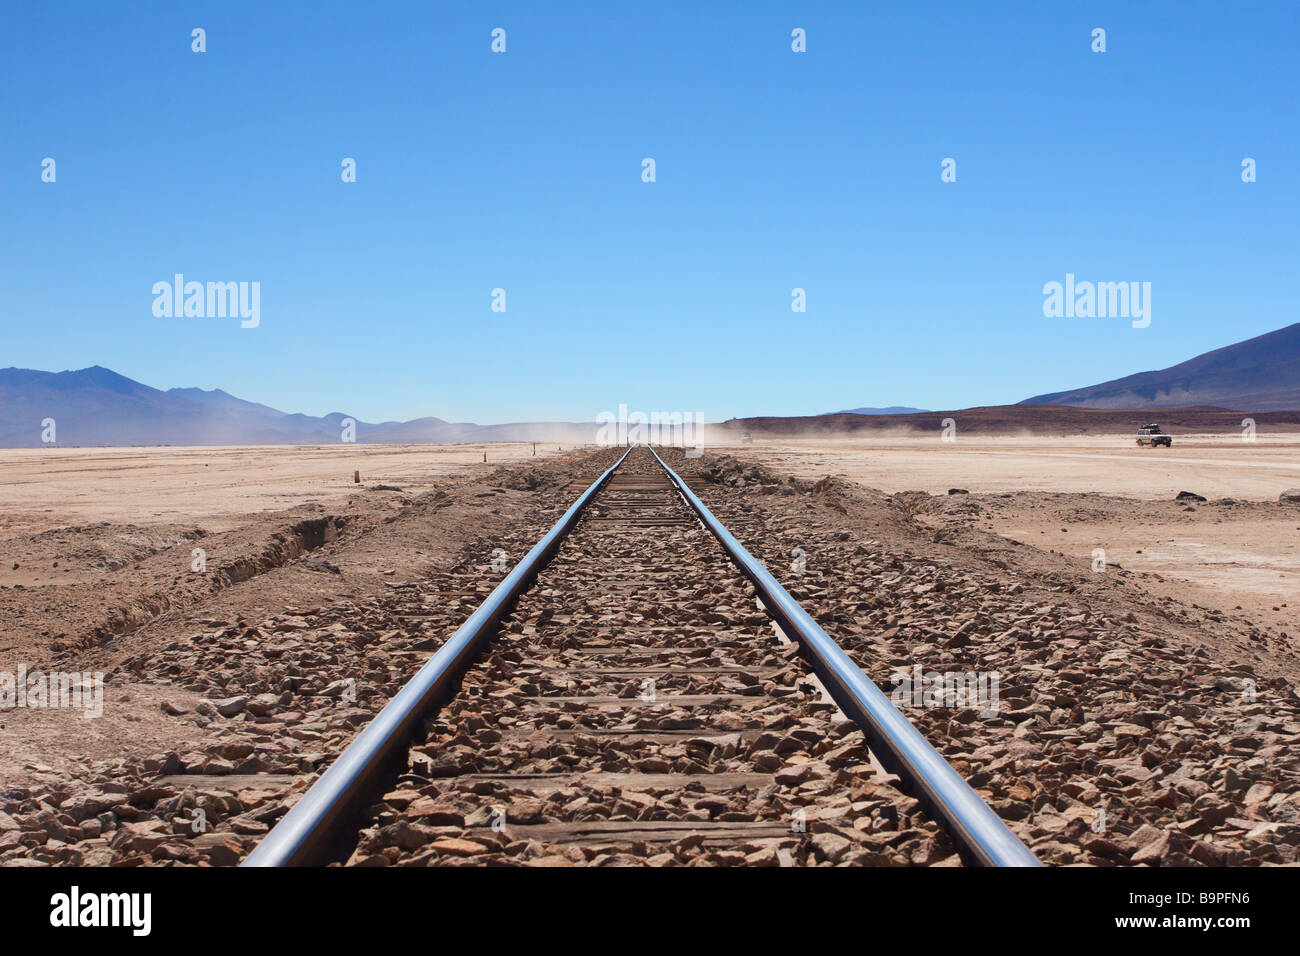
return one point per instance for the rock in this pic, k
(1126, 731)
(175, 710)
(1257, 794)
(1211, 854)
(1101, 846)
(1152, 852)
(337, 688)
(764, 856)
(436, 814)
(140, 837)
(767, 761)
(958, 491)
(830, 846)
(244, 824)
(230, 706)
(1289, 497)
(91, 804)
(408, 836)
(1011, 809)
(1264, 833)
(225, 853)
(235, 750)
(401, 799)
(454, 846)
(263, 704)
(1144, 835)
(1189, 496)
(929, 852)
(793, 776)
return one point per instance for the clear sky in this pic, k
(523, 171)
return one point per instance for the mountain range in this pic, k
(1258, 375)
(97, 406)
(891, 410)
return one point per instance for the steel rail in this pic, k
(306, 835)
(979, 833)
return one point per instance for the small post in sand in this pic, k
(356, 477)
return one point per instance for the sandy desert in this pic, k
(99, 546)
(1076, 494)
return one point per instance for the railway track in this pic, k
(639, 690)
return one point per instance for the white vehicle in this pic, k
(1153, 436)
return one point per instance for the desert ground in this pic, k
(217, 488)
(97, 552)
(1074, 495)
(1215, 466)
(97, 574)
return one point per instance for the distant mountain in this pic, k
(216, 398)
(1258, 375)
(1001, 420)
(97, 406)
(891, 410)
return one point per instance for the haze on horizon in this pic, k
(522, 171)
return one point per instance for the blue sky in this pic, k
(522, 171)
